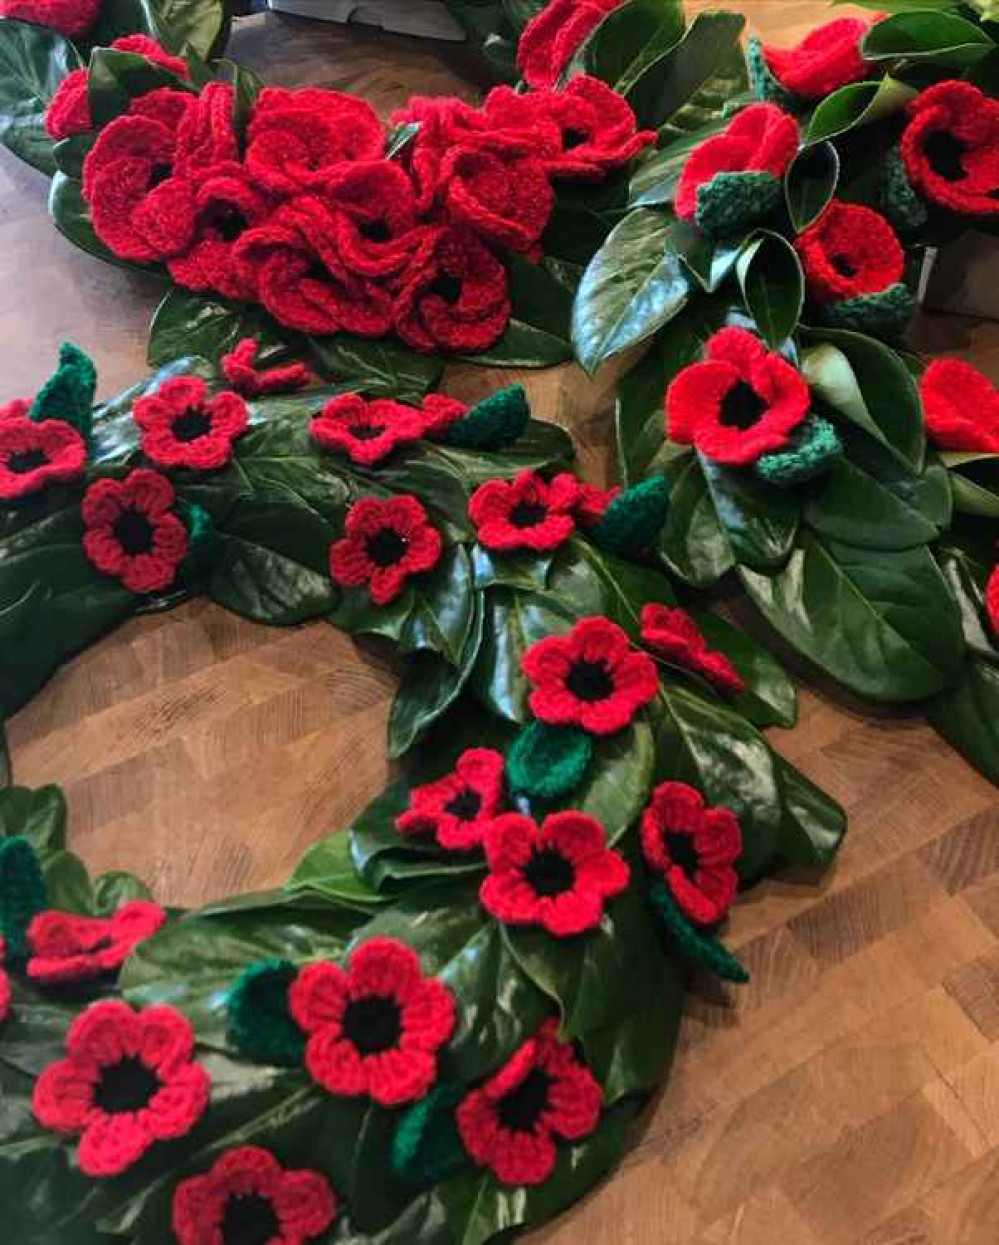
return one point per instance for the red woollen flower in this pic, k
(673, 634)
(694, 848)
(826, 59)
(132, 533)
(373, 216)
(247, 1196)
(589, 678)
(960, 406)
(850, 251)
(992, 599)
(744, 401)
(525, 513)
(34, 455)
(507, 202)
(240, 369)
(950, 148)
(6, 994)
(512, 1122)
(366, 432)
(458, 808)
(376, 1027)
(592, 502)
(183, 427)
(129, 1081)
(385, 543)
(558, 875)
(65, 947)
(552, 37)
(760, 139)
(69, 17)
(440, 412)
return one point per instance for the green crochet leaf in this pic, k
(69, 393)
(731, 202)
(885, 314)
(260, 1024)
(493, 423)
(632, 522)
(696, 946)
(762, 82)
(899, 201)
(201, 539)
(426, 1146)
(23, 894)
(814, 446)
(546, 762)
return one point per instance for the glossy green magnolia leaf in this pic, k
(186, 323)
(813, 824)
(759, 520)
(379, 368)
(37, 815)
(619, 780)
(540, 331)
(596, 582)
(967, 576)
(708, 260)
(770, 697)
(773, 286)
(514, 620)
(521, 568)
(693, 544)
(444, 607)
(853, 505)
(860, 103)
(657, 174)
(967, 715)
(200, 26)
(629, 39)
(33, 61)
(114, 79)
(810, 184)
(942, 38)
(974, 481)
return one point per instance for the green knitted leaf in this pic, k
(426, 1146)
(813, 448)
(885, 314)
(731, 202)
(23, 894)
(493, 423)
(260, 1024)
(69, 393)
(704, 950)
(201, 539)
(762, 82)
(899, 201)
(545, 762)
(632, 522)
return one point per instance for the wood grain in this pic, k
(849, 1094)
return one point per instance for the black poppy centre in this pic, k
(528, 514)
(228, 222)
(590, 681)
(549, 873)
(446, 286)
(573, 137)
(844, 265)
(249, 1219)
(741, 407)
(683, 852)
(126, 1086)
(365, 432)
(522, 1108)
(133, 532)
(386, 547)
(373, 1024)
(25, 461)
(466, 806)
(192, 424)
(944, 152)
(375, 231)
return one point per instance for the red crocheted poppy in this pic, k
(69, 17)
(694, 848)
(589, 678)
(552, 37)
(240, 369)
(206, 133)
(542, 1094)
(960, 407)
(375, 1027)
(458, 808)
(373, 218)
(744, 401)
(247, 1196)
(65, 947)
(673, 634)
(129, 1080)
(951, 148)
(453, 295)
(366, 432)
(826, 59)
(992, 599)
(848, 252)
(760, 139)
(384, 544)
(34, 455)
(558, 875)
(6, 996)
(507, 202)
(296, 139)
(592, 502)
(183, 427)
(525, 513)
(440, 412)
(132, 532)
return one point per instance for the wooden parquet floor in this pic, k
(849, 1096)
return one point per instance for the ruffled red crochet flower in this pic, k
(760, 139)
(132, 532)
(592, 502)
(673, 634)
(384, 544)
(850, 251)
(558, 875)
(960, 406)
(65, 947)
(373, 219)
(367, 432)
(240, 369)
(206, 132)
(507, 202)
(182, 426)
(992, 599)
(69, 17)
(826, 59)
(950, 148)
(34, 455)
(694, 848)
(589, 678)
(376, 1027)
(542, 1094)
(552, 37)
(6, 996)
(743, 402)
(458, 808)
(525, 513)
(247, 1196)
(129, 1081)
(440, 412)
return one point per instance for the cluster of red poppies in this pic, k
(69, 17)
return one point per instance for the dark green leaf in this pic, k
(860, 103)
(629, 39)
(813, 824)
(770, 698)
(40, 816)
(380, 368)
(943, 38)
(33, 61)
(181, 25)
(773, 286)
(849, 503)
(186, 323)
(657, 176)
(444, 607)
(694, 545)
(114, 79)
(759, 520)
(810, 183)
(514, 621)
(967, 715)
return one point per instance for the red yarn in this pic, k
(129, 1081)
(132, 532)
(35, 455)
(951, 148)
(673, 634)
(826, 59)
(17, 408)
(694, 848)
(741, 403)
(182, 426)
(525, 513)
(543, 1093)
(505, 202)
(848, 252)
(367, 432)
(558, 875)
(384, 544)
(589, 678)
(592, 502)
(552, 37)
(6, 995)
(440, 413)
(69, 17)
(992, 599)
(240, 369)
(373, 219)
(760, 139)
(206, 133)
(960, 406)
(65, 947)
(375, 1028)
(458, 808)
